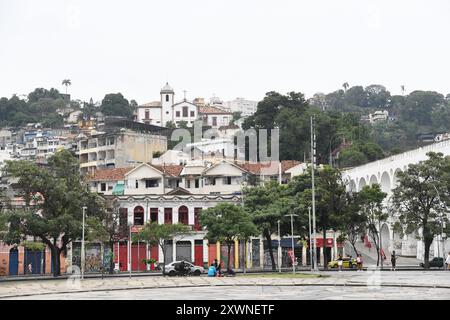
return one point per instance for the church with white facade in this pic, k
(166, 110)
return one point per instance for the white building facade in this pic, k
(383, 172)
(246, 107)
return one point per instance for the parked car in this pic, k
(346, 263)
(194, 270)
(435, 263)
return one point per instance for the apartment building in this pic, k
(117, 149)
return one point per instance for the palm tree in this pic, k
(66, 82)
(345, 85)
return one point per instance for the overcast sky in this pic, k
(233, 48)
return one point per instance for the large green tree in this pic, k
(105, 227)
(422, 197)
(226, 223)
(330, 198)
(371, 208)
(161, 234)
(114, 104)
(352, 223)
(54, 197)
(264, 205)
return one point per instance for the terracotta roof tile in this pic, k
(109, 174)
(173, 170)
(263, 167)
(211, 110)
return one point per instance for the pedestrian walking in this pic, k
(340, 263)
(359, 262)
(393, 260)
(447, 261)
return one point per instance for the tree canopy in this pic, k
(54, 197)
(422, 197)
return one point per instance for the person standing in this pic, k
(447, 261)
(340, 263)
(359, 262)
(393, 260)
(219, 269)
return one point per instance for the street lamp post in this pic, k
(313, 163)
(129, 249)
(82, 245)
(279, 247)
(292, 241)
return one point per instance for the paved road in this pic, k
(256, 292)
(335, 285)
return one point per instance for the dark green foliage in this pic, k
(422, 198)
(42, 106)
(114, 104)
(54, 195)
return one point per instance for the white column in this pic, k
(128, 255)
(147, 255)
(205, 252)
(304, 255)
(261, 252)
(175, 215)
(174, 250)
(321, 255)
(161, 215)
(250, 254)
(334, 254)
(160, 255)
(191, 216)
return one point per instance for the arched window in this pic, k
(138, 216)
(183, 215)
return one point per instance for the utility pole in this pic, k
(310, 240)
(313, 164)
(82, 245)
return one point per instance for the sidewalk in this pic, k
(238, 271)
(368, 279)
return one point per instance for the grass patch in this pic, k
(282, 275)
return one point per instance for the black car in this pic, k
(435, 263)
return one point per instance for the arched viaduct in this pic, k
(384, 173)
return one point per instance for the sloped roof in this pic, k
(192, 170)
(230, 126)
(265, 167)
(172, 170)
(287, 164)
(153, 104)
(109, 174)
(211, 110)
